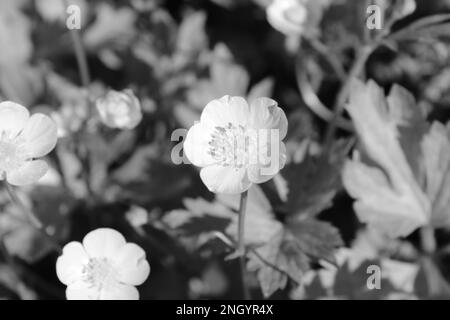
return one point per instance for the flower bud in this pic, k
(287, 16)
(119, 109)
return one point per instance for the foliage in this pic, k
(367, 176)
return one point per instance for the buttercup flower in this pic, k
(287, 16)
(237, 144)
(103, 267)
(295, 17)
(22, 140)
(120, 109)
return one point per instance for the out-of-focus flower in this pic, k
(287, 16)
(137, 216)
(103, 267)
(120, 109)
(70, 117)
(236, 144)
(56, 10)
(295, 17)
(22, 140)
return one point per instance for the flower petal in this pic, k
(132, 265)
(262, 172)
(69, 265)
(221, 112)
(222, 179)
(103, 242)
(40, 134)
(196, 145)
(13, 117)
(29, 173)
(120, 292)
(82, 290)
(265, 114)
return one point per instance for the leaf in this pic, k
(430, 284)
(411, 125)
(191, 34)
(199, 217)
(282, 250)
(388, 197)
(15, 37)
(145, 177)
(312, 185)
(226, 78)
(21, 83)
(282, 253)
(436, 161)
(352, 284)
(260, 221)
(316, 239)
(425, 29)
(51, 205)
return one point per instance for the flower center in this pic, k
(12, 154)
(230, 146)
(121, 108)
(99, 273)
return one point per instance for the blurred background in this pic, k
(176, 56)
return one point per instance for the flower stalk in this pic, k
(80, 55)
(241, 250)
(427, 239)
(34, 220)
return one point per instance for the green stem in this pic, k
(362, 55)
(80, 54)
(357, 67)
(34, 220)
(241, 243)
(328, 56)
(83, 68)
(427, 240)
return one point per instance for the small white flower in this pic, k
(22, 140)
(296, 17)
(120, 109)
(237, 144)
(103, 267)
(287, 16)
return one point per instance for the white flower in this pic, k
(295, 17)
(22, 140)
(56, 10)
(287, 16)
(120, 109)
(237, 144)
(103, 267)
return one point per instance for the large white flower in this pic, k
(103, 267)
(237, 144)
(22, 140)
